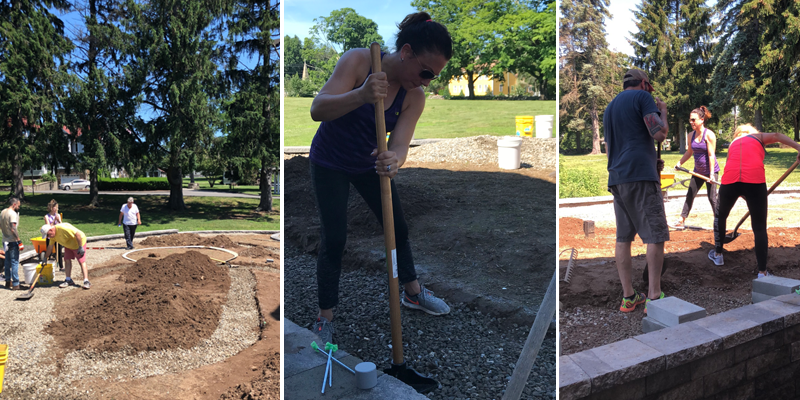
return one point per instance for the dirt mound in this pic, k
(189, 239)
(177, 268)
(255, 252)
(267, 386)
(162, 304)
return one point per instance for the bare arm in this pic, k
(138, 219)
(774, 137)
(119, 221)
(402, 134)
(688, 153)
(337, 97)
(711, 142)
(14, 231)
(657, 125)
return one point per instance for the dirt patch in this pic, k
(167, 303)
(590, 315)
(189, 239)
(266, 386)
(473, 228)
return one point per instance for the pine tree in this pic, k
(32, 75)
(586, 68)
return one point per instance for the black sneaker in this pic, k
(324, 329)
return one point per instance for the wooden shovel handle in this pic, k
(388, 222)
(769, 191)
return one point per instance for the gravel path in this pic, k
(31, 370)
(536, 153)
(472, 354)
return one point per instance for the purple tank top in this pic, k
(345, 143)
(700, 152)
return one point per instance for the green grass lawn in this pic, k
(204, 213)
(441, 118)
(585, 176)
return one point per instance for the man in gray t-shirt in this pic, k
(9, 221)
(632, 121)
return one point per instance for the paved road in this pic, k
(186, 192)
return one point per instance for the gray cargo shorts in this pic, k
(639, 208)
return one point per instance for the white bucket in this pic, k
(544, 126)
(508, 148)
(29, 271)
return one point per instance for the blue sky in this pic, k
(299, 15)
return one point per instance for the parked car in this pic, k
(75, 184)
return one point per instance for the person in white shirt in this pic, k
(130, 217)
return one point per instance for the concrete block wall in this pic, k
(751, 352)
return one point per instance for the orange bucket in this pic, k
(39, 244)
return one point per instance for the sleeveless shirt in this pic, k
(345, 143)
(700, 152)
(745, 161)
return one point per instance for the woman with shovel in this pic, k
(744, 176)
(343, 152)
(703, 147)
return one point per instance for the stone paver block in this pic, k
(761, 345)
(759, 297)
(713, 363)
(792, 310)
(650, 325)
(765, 363)
(683, 343)
(672, 311)
(618, 363)
(630, 391)
(573, 383)
(775, 285)
(690, 391)
(721, 380)
(732, 328)
(769, 314)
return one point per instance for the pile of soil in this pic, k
(590, 314)
(189, 239)
(266, 386)
(169, 303)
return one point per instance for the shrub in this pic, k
(580, 182)
(48, 177)
(123, 184)
(297, 87)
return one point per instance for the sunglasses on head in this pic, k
(425, 73)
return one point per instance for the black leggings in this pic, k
(332, 188)
(694, 187)
(755, 194)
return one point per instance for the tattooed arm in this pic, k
(657, 125)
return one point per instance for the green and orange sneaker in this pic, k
(629, 304)
(648, 300)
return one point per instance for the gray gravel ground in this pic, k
(536, 153)
(470, 353)
(31, 370)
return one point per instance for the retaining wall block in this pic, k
(650, 325)
(795, 351)
(683, 343)
(668, 379)
(732, 328)
(759, 346)
(713, 363)
(721, 380)
(630, 391)
(759, 297)
(775, 285)
(619, 363)
(764, 363)
(790, 300)
(672, 311)
(689, 391)
(744, 391)
(767, 383)
(573, 383)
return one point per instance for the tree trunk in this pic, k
(578, 149)
(681, 137)
(796, 127)
(16, 188)
(175, 179)
(471, 84)
(758, 120)
(595, 127)
(94, 189)
(266, 188)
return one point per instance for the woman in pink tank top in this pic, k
(744, 177)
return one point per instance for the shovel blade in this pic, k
(25, 296)
(422, 384)
(731, 237)
(646, 273)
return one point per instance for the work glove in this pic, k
(678, 165)
(81, 251)
(21, 246)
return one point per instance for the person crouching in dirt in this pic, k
(702, 147)
(343, 151)
(632, 121)
(744, 176)
(74, 242)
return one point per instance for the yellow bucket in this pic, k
(524, 126)
(667, 179)
(46, 277)
(3, 359)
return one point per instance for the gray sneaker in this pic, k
(425, 301)
(716, 258)
(324, 329)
